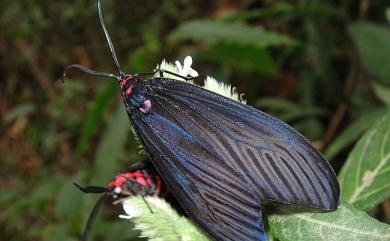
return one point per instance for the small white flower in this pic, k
(186, 69)
(223, 89)
(166, 66)
(131, 210)
(125, 216)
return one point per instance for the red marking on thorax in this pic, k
(146, 107)
(123, 177)
(118, 181)
(129, 90)
(138, 173)
(142, 181)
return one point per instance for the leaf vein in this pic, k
(360, 188)
(339, 227)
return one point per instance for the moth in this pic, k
(140, 180)
(222, 159)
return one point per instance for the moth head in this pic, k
(127, 83)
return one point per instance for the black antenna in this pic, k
(110, 46)
(91, 189)
(87, 71)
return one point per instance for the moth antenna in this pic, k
(91, 189)
(147, 204)
(92, 218)
(109, 42)
(87, 71)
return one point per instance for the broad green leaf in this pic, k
(373, 45)
(111, 146)
(352, 132)
(212, 32)
(288, 9)
(243, 58)
(364, 178)
(310, 127)
(287, 110)
(346, 224)
(301, 116)
(94, 116)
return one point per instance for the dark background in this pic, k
(320, 74)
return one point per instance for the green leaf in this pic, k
(111, 146)
(69, 198)
(164, 223)
(352, 132)
(37, 200)
(212, 32)
(113, 229)
(382, 92)
(281, 9)
(301, 116)
(243, 58)
(287, 110)
(364, 178)
(373, 45)
(94, 116)
(54, 232)
(346, 224)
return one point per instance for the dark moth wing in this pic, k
(223, 158)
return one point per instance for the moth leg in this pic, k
(161, 71)
(137, 166)
(150, 73)
(147, 204)
(177, 75)
(183, 77)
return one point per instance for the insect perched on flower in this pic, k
(221, 158)
(141, 180)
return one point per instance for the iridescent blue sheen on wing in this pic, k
(223, 158)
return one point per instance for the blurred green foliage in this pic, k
(321, 66)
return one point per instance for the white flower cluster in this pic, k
(210, 83)
(184, 70)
